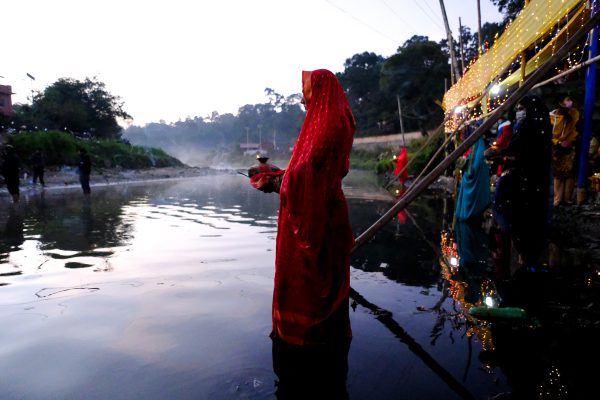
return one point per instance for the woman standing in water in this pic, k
(314, 238)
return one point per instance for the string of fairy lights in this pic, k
(475, 95)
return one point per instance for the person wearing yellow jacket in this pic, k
(564, 135)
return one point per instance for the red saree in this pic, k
(314, 238)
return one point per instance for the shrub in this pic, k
(61, 148)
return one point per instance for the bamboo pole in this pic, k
(420, 186)
(400, 117)
(479, 26)
(568, 72)
(385, 317)
(454, 64)
(437, 131)
(462, 49)
(523, 59)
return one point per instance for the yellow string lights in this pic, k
(540, 29)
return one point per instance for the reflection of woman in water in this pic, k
(314, 238)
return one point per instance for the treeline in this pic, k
(61, 148)
(275, 124)
(416, 76)
(82, 108)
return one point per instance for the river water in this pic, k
(162, 290)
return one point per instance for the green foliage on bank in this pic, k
(381, 159)
(61, 148)
(420, 159)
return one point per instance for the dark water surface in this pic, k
(163, 291)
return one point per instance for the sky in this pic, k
(170, 60)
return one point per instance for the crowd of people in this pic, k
(12, 167)
(531, 163)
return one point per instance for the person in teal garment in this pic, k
(474, 193)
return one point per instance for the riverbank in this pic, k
(67, 176)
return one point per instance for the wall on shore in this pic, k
(371, 142)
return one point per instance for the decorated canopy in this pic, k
(541, 28)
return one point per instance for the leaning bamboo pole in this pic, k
(568, 72)
(420, 186)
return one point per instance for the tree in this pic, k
(360, 81)
(509, 8)
(416, 73)
(78, 107)
(490, 31)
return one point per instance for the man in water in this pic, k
(85, 168)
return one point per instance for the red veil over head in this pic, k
(314, 238)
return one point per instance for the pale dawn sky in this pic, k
(170, 60)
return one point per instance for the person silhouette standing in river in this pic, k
(37, 165)
(85, 168)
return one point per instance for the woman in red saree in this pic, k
(314, 238)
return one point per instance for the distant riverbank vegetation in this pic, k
(381, 159)
(416, 75)
(60, 148)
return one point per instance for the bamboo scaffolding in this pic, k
(420, 186)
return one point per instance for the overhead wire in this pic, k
(362, 22)
(433, 12)
(428, 15)
(399, 16)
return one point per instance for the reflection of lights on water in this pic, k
(489, 301)
(552, 386)
(454, 261)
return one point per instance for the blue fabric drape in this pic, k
(474, 194)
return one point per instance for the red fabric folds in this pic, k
(265, 180)
(401, 161)
(314, 238)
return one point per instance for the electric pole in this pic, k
(455, 73)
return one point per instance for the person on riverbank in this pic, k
(314, 237)
(37, 166)
(564, 136)
(10, 170)
(85, 169)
